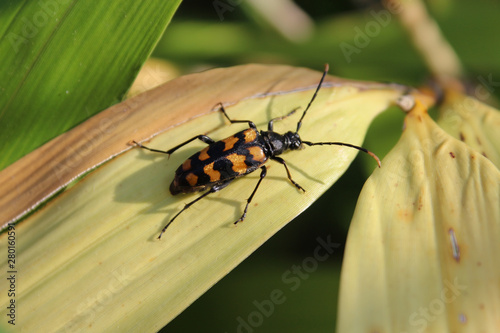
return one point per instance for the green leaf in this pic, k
(63, 61)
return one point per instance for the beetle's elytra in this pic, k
(217, 165)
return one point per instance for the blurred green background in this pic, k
(197, 39)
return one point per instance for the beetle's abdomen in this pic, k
(221, 161)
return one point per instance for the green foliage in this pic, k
(62, 62)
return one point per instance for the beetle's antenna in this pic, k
(299, 124)
(344, 144)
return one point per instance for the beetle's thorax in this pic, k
(279, 143)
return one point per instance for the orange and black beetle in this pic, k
(217, 165)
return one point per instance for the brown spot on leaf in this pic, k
(461, 135)
(405, 215)
(452, 154)
(418, 204)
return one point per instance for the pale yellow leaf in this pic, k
(90, 259)
(422, 250)
(473, 122)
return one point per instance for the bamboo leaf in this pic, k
(63, 61)
(420, 250)
(97, 241)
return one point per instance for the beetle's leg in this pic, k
(282, 161)
(183, 209)
(250, 123)
(214, 188)
(203, 138)
(262, 175)
(270, 123)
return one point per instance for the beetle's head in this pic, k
(293, 140)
